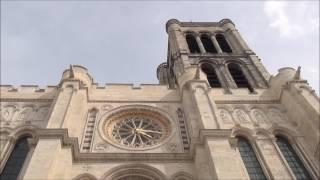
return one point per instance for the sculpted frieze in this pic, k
(256, 114)
(259, 116)
(241, 116)
(225, 116)
(25, 113)
(15, 114)
(101, 147)
(276, 115)
(7, 112)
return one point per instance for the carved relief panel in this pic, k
(225, 118)
(259, 116)
(276, 116)
(251, 114)
(15, 114)
(241, 116)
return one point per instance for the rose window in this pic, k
(137, 132)
(137, 129)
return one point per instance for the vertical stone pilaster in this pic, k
(256, 76)
(61, 106)
(261, 69)
(177, 39)
(42, 161)
(204, 105)
(227, 162)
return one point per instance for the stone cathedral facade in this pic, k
(216, 114)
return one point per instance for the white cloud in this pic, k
(292, 19)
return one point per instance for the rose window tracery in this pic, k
(137, 128)
(137, 132)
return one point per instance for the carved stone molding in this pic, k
(172, 147)
(19, 113)
(78, 156)
(101, 147)
(225, 116)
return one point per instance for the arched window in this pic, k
(134, 172)
(238, 76)
(16, 160)
(207, 43)
(192, 44)
(223, 43)
(250, 160)
(292, 159)
(211, 75)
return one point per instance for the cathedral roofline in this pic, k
(198, 24)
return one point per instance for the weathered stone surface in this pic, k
(199, 125)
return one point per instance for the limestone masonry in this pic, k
(216, 114)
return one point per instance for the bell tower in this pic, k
(219, 52)
(226, 93)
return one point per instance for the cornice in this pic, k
(133, 101)
(78, 156)
(213, 133)
(225, 55)
(24, 100)
(247, 102)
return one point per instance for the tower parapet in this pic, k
(77, 72)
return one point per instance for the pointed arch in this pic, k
(277, 129)
(134, 171)
(224, 45)
(85, 176)
(238, 76)
(211, 74)
(192, 43)
(182, 176)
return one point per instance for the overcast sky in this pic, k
(124, 42)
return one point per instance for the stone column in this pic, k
(215, 43)
(248, 76)
(223, 79)
(228, 77)
(199, 42)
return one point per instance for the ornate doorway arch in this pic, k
(134, 172)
